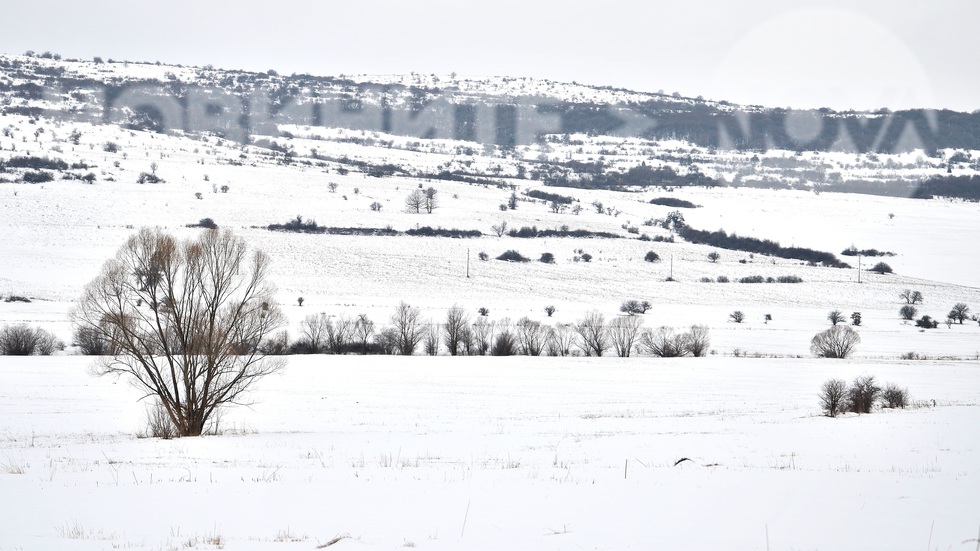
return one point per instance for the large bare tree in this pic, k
(185, 320)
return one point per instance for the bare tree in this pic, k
(340, 334)
(633, 307)
(835, 317)
(910, 296)
(623, 332)
(457, 323)
(363, 330)
(429, 202)
(561, 338)
(409, 328)
(592, 333)
(663, 342)
(482, 336)
(698, 340)
(837, 342)
(833, 397)
(415, 201)
(500, 228)
(314, 329)
(430, 341)
(533, 336)
(960, 312)
(186, 318)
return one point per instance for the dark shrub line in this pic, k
(673, 202)
(723, 240)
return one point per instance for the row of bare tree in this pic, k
(460, 335)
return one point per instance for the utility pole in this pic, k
(467, 263)
(859, 268)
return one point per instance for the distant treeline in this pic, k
(959, 187)
(553, 197)
(723, 240)
(528, 232)
(673, 202)
(593, 176)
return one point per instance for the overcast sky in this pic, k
(860, 54)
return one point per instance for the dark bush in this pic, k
(505, 344)
(926, 322)
(204, 223)
(881, 268)
(149, 178)
(723, 279)
(853, 251)
(723, 240)
(92, 342)
(894, 397)
(673, 202)
(38, 177)
(16, 298)
(737, 316)
(483, 256)
(547, 258)
(586, 257)
(908, 312)
(544, 195)
(651, 257)
(789, 279)
(36, 163)
(752, 279)
(22, 340)
(455, 233)
(863, 394)
(513, 256)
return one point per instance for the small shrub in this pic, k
(483, 311)
(376, 206)
(833, 397)
(856, 318)
(837, 342)
(789, 279)
(16, 298)
(894, 397)
(723, 279)
(150, 178)
(586, 257)
(752, 279)
(651, 257)
(707, 279)
(513, 256)
(926, 322)
(483, 256)
(633, 307)
(204, 223)
(224, 189)
(110, 147)
(835, 317)
(713, 256)
(549, 310)
(505, 344)
(863, 394)
(547, 258)
(908, 312)
(37, 177)
(881, 268)
(737, 316)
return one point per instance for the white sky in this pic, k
(860, 54)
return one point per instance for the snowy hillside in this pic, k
(492, 453)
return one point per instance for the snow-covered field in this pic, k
(490, 453)
(493, 453)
